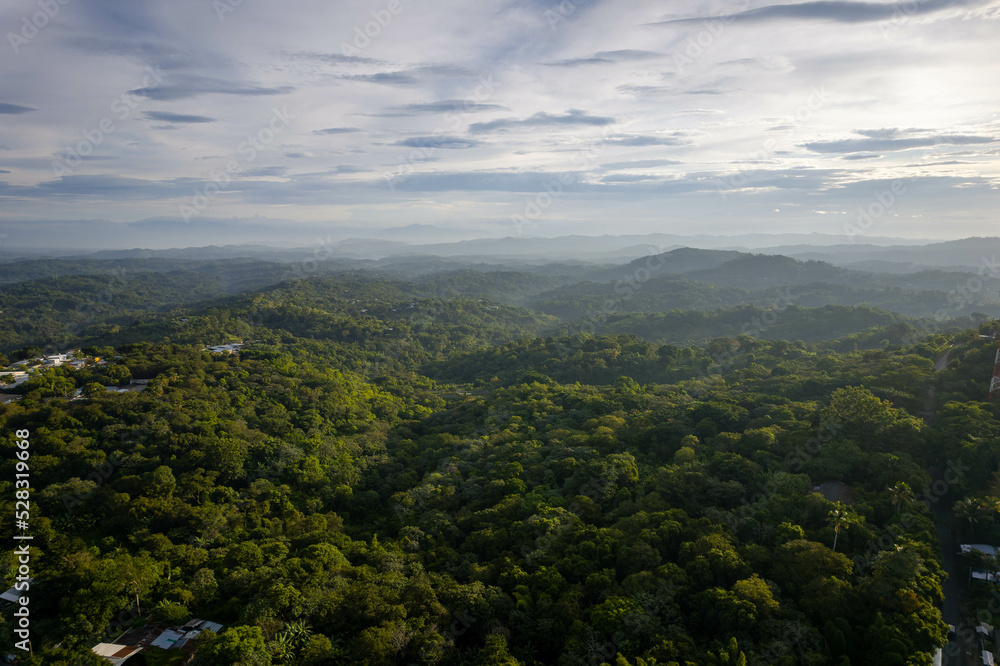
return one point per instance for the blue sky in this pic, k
(501, 118)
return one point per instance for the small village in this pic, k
(135, 645)
(17, 373)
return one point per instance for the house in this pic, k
(56, 359)
(158, 635)
(983, 548)
(11, 595)
(116, 654)
(19, 377)
(226, 349)
(135, 388)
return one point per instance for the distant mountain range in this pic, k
(965, 255)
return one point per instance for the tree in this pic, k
(27, 352)
(971, 511)
(93, 389)
(115, 375)
(756, 590)
(840, 519)
(495, 652)
(237, 646)
(902, 495)
(140, 573)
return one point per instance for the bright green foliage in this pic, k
(439, 484)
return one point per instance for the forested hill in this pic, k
(386, 474)
(195, 306)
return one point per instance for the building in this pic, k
(19, 377)
(116, 654)
(156, 635)
(226, 349)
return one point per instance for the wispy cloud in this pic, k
(542, 119)
(639, 164)
(841, 11)
(14, 109)
(438, 142)
(443, 106)
(184, 118)
(464, 110)
(608, 58)
(196, 86)
(336, 130)
(870, 144)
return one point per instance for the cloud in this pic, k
(838, 10)
(927, 164)
(443, 106)
(336, 130)
(168, 117)
(387, 78)
(438, 142)
(188, 86)
(627, 55)
(890, 145)
(347, 168)
(607, 57)
(265, 172)
(14, 109)
(861, 156)
(103, 187)
(410, 77)
(338, 58)
(639, 140)
(884, 133)
(488, 181)
(629, 89)
(542, 119)
(639, 164)
(627, 178)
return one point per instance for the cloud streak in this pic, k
(14, 109)
(838, 11)
(573, 117)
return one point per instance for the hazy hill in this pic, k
(674, 262)
(759, 270)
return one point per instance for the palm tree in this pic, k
(990, 506)
(841, 520)
(902, 495)
(968, 510)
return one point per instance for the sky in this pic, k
(500, 117)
